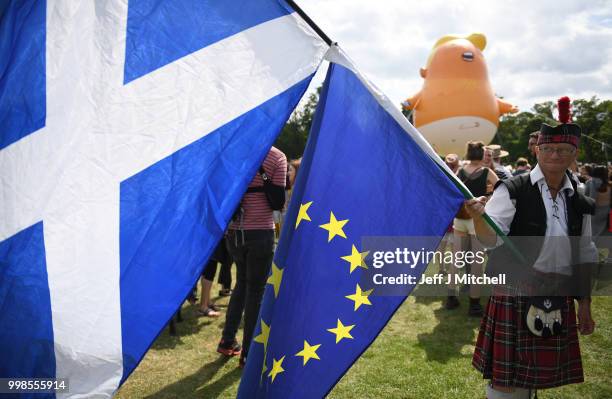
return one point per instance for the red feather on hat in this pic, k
(563, 105)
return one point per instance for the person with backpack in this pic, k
(250, 241)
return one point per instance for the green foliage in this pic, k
(292, 139)
(545, 109)
(594, 116)
(513, 131)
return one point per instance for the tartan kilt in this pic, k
(509, 355)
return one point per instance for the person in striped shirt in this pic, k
(250, 241)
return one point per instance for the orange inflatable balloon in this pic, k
(456, 103)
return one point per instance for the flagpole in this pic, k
(310, 22)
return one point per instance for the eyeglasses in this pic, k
(563, 152)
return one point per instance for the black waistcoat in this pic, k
(530, 221)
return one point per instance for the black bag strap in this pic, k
(263, 174)
(265, 178)
(274, 194)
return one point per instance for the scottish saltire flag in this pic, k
(366, 172)
(128, 132)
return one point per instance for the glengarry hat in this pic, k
(566, 132)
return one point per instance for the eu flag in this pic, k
(365, 172)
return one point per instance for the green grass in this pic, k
(424, 352)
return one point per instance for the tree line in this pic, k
(593, 115)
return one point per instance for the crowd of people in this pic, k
(520, 347)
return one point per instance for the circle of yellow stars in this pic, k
(355, 259)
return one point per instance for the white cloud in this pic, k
(536, 51)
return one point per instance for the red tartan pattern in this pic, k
(509, 355)
(560, 138)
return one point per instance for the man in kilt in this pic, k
(521, 346)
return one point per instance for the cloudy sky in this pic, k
(536, 50)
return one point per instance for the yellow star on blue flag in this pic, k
(365, 173)
(334, 227)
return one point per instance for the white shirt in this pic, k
(555, 255)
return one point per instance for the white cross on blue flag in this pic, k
(128, 132)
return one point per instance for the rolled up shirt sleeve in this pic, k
(501, 208)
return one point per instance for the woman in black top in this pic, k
(480, 180)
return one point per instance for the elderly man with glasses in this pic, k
(528, 337)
